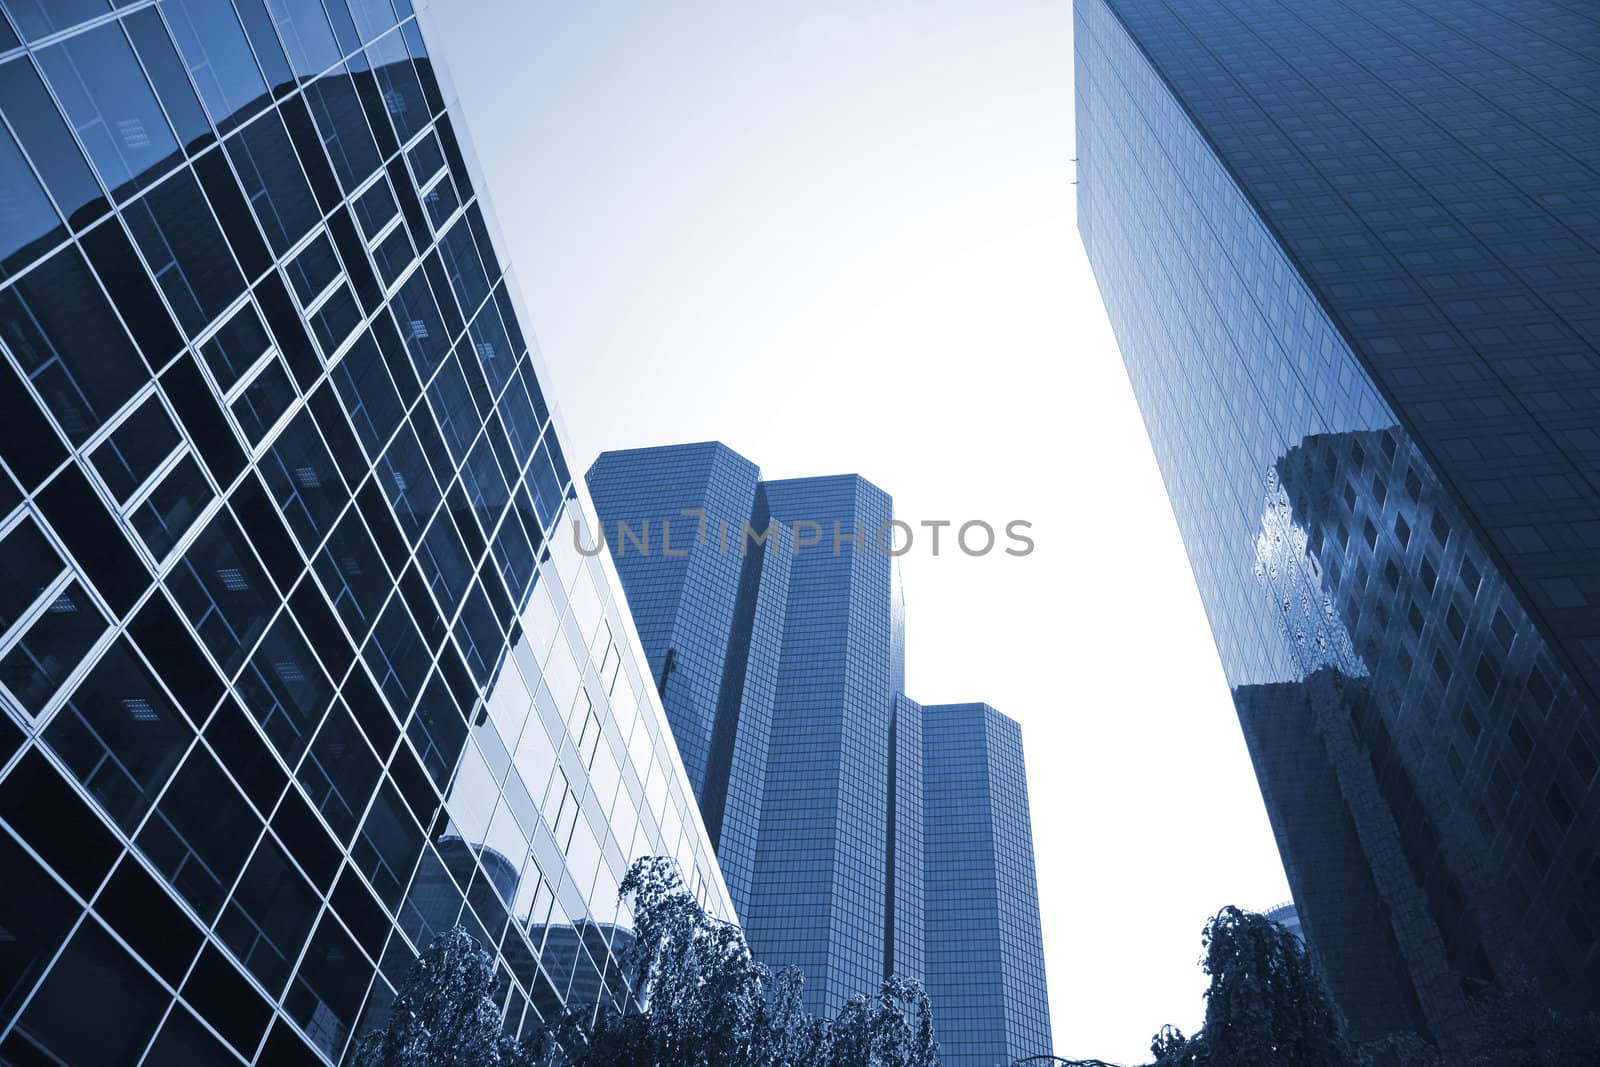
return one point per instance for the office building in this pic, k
(773, 621)
(296, 670)
(985, 958)
(1350, 254)
(1285, 916)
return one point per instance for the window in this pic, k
(120, 735)
(214, 47)
(112, 107)
(61, 329)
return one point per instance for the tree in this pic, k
(445, 1013)
(701, 999)
(1266, 1005)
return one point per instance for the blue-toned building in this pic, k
(1352, 256)
(777, 639)
(295, 670)
(985, 957)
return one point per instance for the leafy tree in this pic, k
(1266, 1004)
(445, 1013)
(702, 1000)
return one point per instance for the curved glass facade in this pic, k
(1349, 254)
(300, 662)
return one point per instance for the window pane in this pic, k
(95, 970)
(223, 591)
(219, 59)
(200, 833)
(43, 133)
(40, 18)
(274, 182)
(29, 223)
(136, 448)
(120, 735)
(339, 773)
(28, 563)
(171, 79)
(35, 913)
(343, 126)
(303, 25)
(53, 647)
(269, 916)
(186, 251)
(264, 401)
(304, 482)
(168, 512)
(286, 690)
(112, 107)
(61, 328)
(236, 347)
(329, 988)
(314, 269)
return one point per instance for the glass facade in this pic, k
(786, 655)
(1350, 255)
(985, 953)
(296, 670)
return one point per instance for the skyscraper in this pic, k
(1350, 254)
(773, 621)
(295, 672)
(985, 958)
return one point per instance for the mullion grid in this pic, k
(199, 523)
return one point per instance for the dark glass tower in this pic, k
(784, 661)
(294, 671)
(1351, 253)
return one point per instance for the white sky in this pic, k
(840, 237)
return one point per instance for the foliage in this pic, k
(702, 1000)
(445, 1013)
(1266, 1004)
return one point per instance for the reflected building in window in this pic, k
(296, 672)
(773, 623)
(1366, 357)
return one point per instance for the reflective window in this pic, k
(262, 403)
(269, 916)
(136, 448)
(329, 987)
(171, 79)
(111, 105)
(336, 109)
(223, 591)
(339, 773)
(236, 347)
(41, 18)
(185, 249)
(213, 44)
(43, 133)
(303, 27)
(52, 647)
(274, 182)
(36, 913)
(58, 324)
(120, 735)
(29, 564)
(200, 833)
(93, 969)
(286, 689)
(31, 222)
(164, 516)
(305, 483)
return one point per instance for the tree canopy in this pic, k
(699, 999)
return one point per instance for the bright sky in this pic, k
(840, 237)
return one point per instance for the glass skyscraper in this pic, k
(296, 670)
(985, 959)
(1352, 255)
(773, 622)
